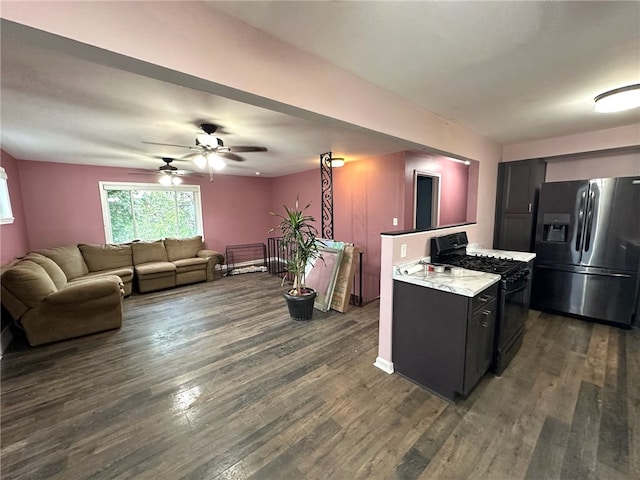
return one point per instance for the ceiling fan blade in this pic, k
(167, 145)
(230, 156)
(179, 173)
(247, 149)
(184, 172)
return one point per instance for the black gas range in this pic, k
(514, 291)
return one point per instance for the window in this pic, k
(6, 215)
(142, 211)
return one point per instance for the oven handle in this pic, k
(516, 290)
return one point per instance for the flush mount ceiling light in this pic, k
(337, 162)
(619, 99)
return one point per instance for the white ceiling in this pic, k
(511, 71)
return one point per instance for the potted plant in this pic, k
(299, 239)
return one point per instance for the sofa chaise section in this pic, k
(84, 261)
(48, 308)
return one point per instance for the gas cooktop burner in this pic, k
(500, 266)
(451, 250)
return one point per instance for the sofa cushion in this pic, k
(145, 252)
(53, 270)
(155, 269)
(125, 274)
(28, 282)
(68, 258)
(106, 257)
(179, 248)
(190, 264)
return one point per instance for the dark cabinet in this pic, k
(516, 199)
(441, 340)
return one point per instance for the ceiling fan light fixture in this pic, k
(619, 99)
(165, 180)
(216, 162)
(168, 179)
(200, 162)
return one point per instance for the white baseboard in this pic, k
(385, 365)
(5, 339)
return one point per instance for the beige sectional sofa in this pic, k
(69, 291)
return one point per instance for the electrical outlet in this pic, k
(395, 222)
(403, 250)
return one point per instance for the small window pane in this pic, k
(120, 212)
(6, 214)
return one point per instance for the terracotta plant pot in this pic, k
(301, 306)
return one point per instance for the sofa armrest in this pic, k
(86, 291)
(213, 258)
(219, 258)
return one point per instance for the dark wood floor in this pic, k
(214, 381)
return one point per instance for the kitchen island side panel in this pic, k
(429, 335)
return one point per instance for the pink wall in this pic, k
(453, 193)
(304, 185)
(62, 204)
(235, 210)
(368, 194)
(473, 192)
(13, 236)
(454, 187)
(599, 166)
(610, 138)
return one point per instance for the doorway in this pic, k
(427, 200)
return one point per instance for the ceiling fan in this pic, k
(210, 151)
(169, 174)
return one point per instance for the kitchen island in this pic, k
(444, 327)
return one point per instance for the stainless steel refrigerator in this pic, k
(588, 249)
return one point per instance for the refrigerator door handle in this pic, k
(584, 272)
(589, 219)
(580, 222)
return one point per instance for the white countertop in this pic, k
(508, 254)
(469, 283)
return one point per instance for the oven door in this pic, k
(514, 308)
